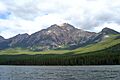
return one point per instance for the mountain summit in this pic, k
(64, 26)
(105, 33)
(1, 39)
(109, 31)
(55, 37)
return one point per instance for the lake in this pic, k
(59, 72)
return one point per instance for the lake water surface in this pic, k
(59, 72)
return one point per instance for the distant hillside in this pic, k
(107, 42)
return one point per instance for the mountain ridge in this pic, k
(56, 36)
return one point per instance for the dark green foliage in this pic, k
(110, 56)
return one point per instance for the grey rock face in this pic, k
(18, 40)
(54, 37)
(106, 31)
(101, 35)
(1, 39)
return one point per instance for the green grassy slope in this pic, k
(106, 43)
(17, 51)
(108, 56)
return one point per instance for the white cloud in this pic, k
(29, 16)
(2, 7)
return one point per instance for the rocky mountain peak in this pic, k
(18, 39)
(1, 38)
(55, 36)
(107, 31)
(67, 26)
(64, 26)
(20, 36)
(53, 27)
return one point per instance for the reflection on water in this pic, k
(59, 72)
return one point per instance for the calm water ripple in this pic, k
(59, 72)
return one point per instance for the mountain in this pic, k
(104, 44)
(3, 43)
(64, 36)
(58, 36)
(90, 48)
(105, 33)
(18, 40)
(2, 38)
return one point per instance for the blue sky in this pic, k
(29, 16)
(4, 15)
